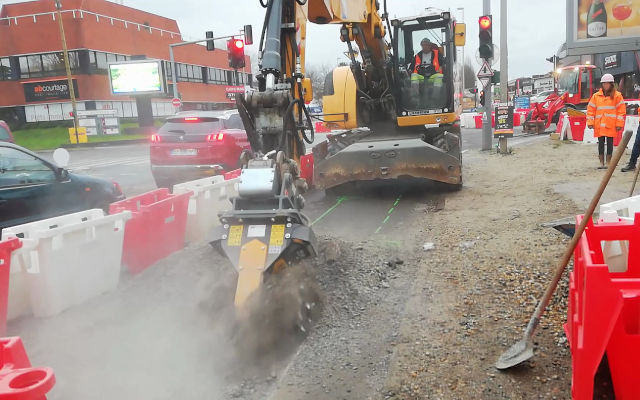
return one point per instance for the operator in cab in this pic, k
(427, 83)
(427, 61)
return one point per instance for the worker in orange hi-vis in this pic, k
(605, 114)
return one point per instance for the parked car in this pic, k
(5, 132)
(540, 97)
(32, 188)
(196, 144)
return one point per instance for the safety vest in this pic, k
(606, 114)
(435, 53)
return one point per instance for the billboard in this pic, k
(598, 26)
(136, 77)
(49, 90)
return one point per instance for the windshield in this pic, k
(421, 62)
(568, 81)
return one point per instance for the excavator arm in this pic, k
(266, 230)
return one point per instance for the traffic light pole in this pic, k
(487, 134)
(174, 66)
(504, 66)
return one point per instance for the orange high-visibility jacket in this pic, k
(435, 61)
(605, 114)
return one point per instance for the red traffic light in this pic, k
(485, 22)
(238, 43)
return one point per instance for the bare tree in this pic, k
(318, 74)
(469, 75)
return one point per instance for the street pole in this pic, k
(504, 66)
(65, 52)
(461, 9)
(487, 134)
(174, 68)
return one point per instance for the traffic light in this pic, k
(482, 98)
(552, 60)
(474, 90)
(211, 46)
(486, 36)
(235, 47)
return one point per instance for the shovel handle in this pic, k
(548, 294)
(635, 180)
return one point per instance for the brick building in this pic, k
(99, 32)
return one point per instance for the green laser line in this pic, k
(340, 200)
(391, 210)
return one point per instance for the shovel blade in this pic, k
(517, 354)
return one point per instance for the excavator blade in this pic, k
(262, 242)
(388, 159)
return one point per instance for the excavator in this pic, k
(396, 119)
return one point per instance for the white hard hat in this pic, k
(606, 78)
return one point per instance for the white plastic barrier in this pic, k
(626, 208)
(588, 137)
(71, 259)
(467, 120)
(19, 304)
(631, 124)
(210, 196)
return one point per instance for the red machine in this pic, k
(576, 85)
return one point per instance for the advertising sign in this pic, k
(136, 77)
(522, 102)
(231, 91)
(592, 24)
(611, 61)
(48, 90)
(504, 121)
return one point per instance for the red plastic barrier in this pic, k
(617, 139)
(18, 381)
(321, 128)
(516, 119)
(156, 229)
(306, 168)
(232, 174)
(578, 124)
(604, 311)
(478, 121)
(6, 248)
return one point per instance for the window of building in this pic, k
(49, 64)
(5, 69)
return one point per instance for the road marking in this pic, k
(389, 212)
(464, 151)
(340, 200)
(108, 163)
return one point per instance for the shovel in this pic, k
(523, 350)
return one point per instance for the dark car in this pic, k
(32, 188)
(196, 144)
(5, 133)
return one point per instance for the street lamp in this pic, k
(65, 52)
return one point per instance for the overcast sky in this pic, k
(536, 28)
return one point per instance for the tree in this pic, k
(469, 75)
(318, 74)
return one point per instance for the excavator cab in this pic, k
(425, 56)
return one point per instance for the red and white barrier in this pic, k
(209, 197)
(73, 258)
(604, 308)
(18, 379)
(156, 228)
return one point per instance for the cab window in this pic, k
(19, 168)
